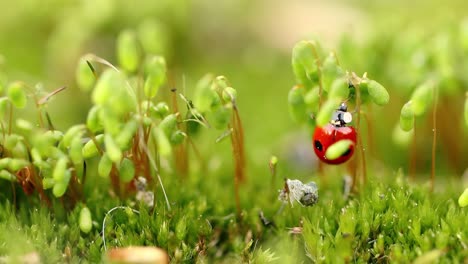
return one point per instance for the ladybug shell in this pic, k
(325, 136)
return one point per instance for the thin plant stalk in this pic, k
(237, 172)
(434, 136)
(155, 167)
(412, 169)
(355, 81)
(180, 151)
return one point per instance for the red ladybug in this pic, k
(337, 130)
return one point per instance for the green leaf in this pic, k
(331, 71)
(48, 183)
(20, 151)
(104, 166)
(60, 170)
(339, 89)
(126, 170)
(60, 187)
(90, 149)
(312, 99)
(126, 135)
(338, 148)
(296, 103)
(72, 133)
(24, 125)
(377, 92)
(153, 37)
(178, 137)
(161, 109)
(181, 229)
(75, 151)
(13, 164)
(85, 220)
(17, 95)
(163, 145)
(402, 138)
(6, 175)
(407, 117)
(112, 149)
(3, 106)
(325, 114)
(84, 75)
(169, 124)
(92, 121)
(109, 84)
(204, 96)
(219, 84)
(155, 69)
(422, 98)
(221, 116)
(304, 64)
(128, 52)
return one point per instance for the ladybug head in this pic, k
(341, 117)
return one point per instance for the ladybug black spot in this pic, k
(346, 153)
(318, 145)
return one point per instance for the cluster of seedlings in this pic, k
(133, 129)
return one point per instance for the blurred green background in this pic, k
(249, 42)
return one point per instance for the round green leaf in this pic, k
(402, 138)
(128, 52)
(422, 98)
(304, 64)
(178, 137)
(161, 109)
(325, 114)
(126, 170)
(153, 37)
(90, 149)
(85, 220)
(339, 89)
(163, 145)
(17, 95)
(60, 187)
(407, 117)
(296, 103)
(221, 116)
(104, 166)
(48, 183)
(377, 92)
(330, 71)
(92, 121)
(155, 69)
(169, 124)
(204, 96)
(6, 175)
(112, 149)
(84, 75)
(60, 169)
